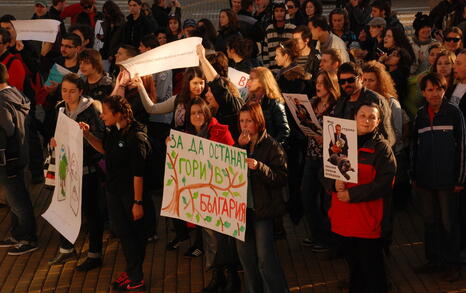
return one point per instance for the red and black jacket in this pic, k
(367, 213)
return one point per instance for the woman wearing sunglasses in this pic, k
(452, 40)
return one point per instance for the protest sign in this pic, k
(64, 212)
(340, 149)
(206, 184)
(44, 30)
(303, 114)
(238, 78)
(178, 54)
(57, 72)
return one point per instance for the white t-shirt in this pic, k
(458, 93)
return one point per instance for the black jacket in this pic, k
(14, 109)
(269, 177)
(275, 119)
(223, 37)
(462, 104)
(134, 30)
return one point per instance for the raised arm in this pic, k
(207, 68)
(151, 107)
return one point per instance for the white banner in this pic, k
(206, 184)
(238, 78)
(64, 212)
(178, 54)
(303, 114)
(340, 149)
(44, 30)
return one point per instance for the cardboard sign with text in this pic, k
(206, 184)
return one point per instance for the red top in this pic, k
(74, 10)
(16, 72)
(220, 133)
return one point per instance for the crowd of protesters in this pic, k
(406, 90)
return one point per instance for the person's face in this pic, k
(84, 42)
(196, 86)
(146, 9)
(292, 9)
(393, 58)
(134, 8)
(173, 25)
(327, 64)
(315, 32)
(338, 22)
(86, 68)
(444, 66)
(40, 10)
(388, 40)
(108, 117)
(121, 55)
(89, 7)
(376, 12)
(338, 129)
(452, 42)
(196, 116)
(70, 93)
(3, 46)
(433, 95)
(279, 13)
(247, 124)
(223, 19)
(460, 68)
(143, 48)
(162, 38)
(367, 119)
(9, 27)
(369, 80)
(349, 83)
(261, 3)
(433, 55)
(299, 41)
(321, 91)
(362, 36)
(375, 30)
(424, 33)
(310, 9)
(253, 83)
(210, 99)
(68, 49)
(236, 5)
(281, 58)
(188, 30)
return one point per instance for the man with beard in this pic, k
(353, 93)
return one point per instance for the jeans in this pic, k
(23, 223)
(315, 202)
(218, 249)
(441, 219)
(258, 256)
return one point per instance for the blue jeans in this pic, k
(258, 256)
(23, 223)
(315, 202)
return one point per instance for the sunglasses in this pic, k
(87, 6)
(454, 40)
(40, 6)
(291, 7)
(347, 80)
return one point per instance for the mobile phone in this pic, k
(380, 51)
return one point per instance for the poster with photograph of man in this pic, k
(340, 149)
(301, 109)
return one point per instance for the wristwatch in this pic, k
(139, 202)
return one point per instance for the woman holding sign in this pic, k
(126, 149)
(267, 176)
(358, 211)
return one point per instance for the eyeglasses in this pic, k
(68, 46)
(454, 40)
(347, 80)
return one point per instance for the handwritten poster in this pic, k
(340, 149)
(238, 78)
(206, 184)
(64, 212)
(177, 54)
(303, 114)
(44, 30)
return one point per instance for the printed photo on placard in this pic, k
(340, 145)
(303, 114)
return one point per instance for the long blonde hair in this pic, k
(268, 82)
(385, 83)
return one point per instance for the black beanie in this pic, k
(420, 21)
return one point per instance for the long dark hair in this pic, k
(205, 109)
(112, 13)
(185, 95)
(401, 40)
(233, 23)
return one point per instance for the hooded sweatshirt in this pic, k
(14, 109)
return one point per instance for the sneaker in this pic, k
(175, 243)
(62, 258)
(193, 252)
(22, 248)
(89, 264)
(319, 248)
(152, 238)
(8, 242)
(131, 286)
(308, 242)
(123, 277)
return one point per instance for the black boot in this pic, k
(233, 282)
(216, 283)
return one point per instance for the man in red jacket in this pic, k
(83, 12)
(15, 67)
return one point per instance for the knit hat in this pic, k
(41, 2)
